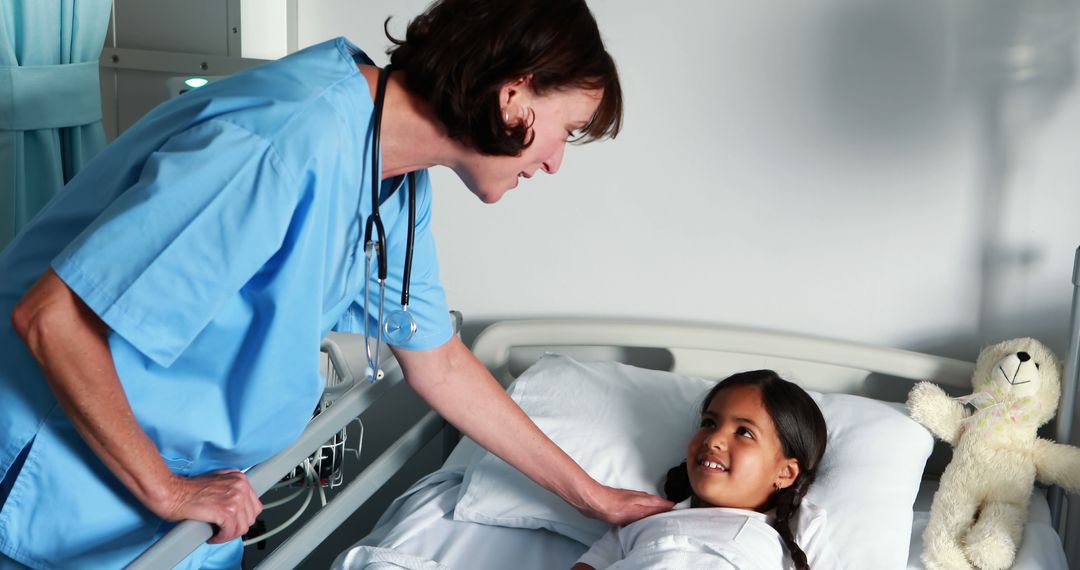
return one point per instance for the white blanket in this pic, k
(375, 558)
(420, 525)
(383, 547)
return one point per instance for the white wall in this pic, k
(265, 28)
(820, 168)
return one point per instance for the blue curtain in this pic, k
(50, 100)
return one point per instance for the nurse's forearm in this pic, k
(462, 390)
(70, 343)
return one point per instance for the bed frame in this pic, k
(690, 349)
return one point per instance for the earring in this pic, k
(506, 117)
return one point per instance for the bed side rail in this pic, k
(350, 397)
(356, 395)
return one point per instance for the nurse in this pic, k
(166, 309)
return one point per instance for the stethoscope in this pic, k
(399, 326)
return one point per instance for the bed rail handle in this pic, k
(178, 543)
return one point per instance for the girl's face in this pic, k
(735, 459)
(555, 115)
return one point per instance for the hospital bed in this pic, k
(522, 528)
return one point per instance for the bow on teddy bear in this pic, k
(978, 514)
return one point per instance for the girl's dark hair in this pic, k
(459, 53)
(802, 432)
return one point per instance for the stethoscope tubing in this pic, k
(376, 179)
(376, 242)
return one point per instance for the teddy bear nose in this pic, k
(1023, 356)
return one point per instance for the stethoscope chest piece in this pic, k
(400, 326)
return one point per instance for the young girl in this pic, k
(747, 469)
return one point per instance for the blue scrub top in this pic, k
(219, 239)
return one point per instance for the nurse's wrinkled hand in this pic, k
(624, 506)
(222, 498)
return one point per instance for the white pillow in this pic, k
(626, 426)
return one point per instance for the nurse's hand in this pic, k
(623, 506)
(222, 498)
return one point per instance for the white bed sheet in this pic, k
(1041, 547)
(421, 525)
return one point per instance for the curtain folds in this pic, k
(50, 100)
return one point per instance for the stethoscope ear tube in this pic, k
(376, 145)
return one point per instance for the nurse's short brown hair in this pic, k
(459, 53)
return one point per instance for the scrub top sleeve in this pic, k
(210, 208)
(427, 299)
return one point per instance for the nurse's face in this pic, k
(556, 116)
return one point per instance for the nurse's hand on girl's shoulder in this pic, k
(223, 498)
(624, 506)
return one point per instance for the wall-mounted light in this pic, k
(195, 82)
(179, 85)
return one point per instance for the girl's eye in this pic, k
(707, 423)
(745, 432)
(569, 136)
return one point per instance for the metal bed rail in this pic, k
(301, 543)
(351, 397)
(357, 397)
(1065, 513)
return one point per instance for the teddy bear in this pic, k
(978, 513)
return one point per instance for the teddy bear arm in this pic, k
(929, 405)
(946, 425)
(1057, 464)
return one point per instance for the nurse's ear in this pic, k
(515, 102)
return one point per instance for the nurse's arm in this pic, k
(460, 388)
(70, 343)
